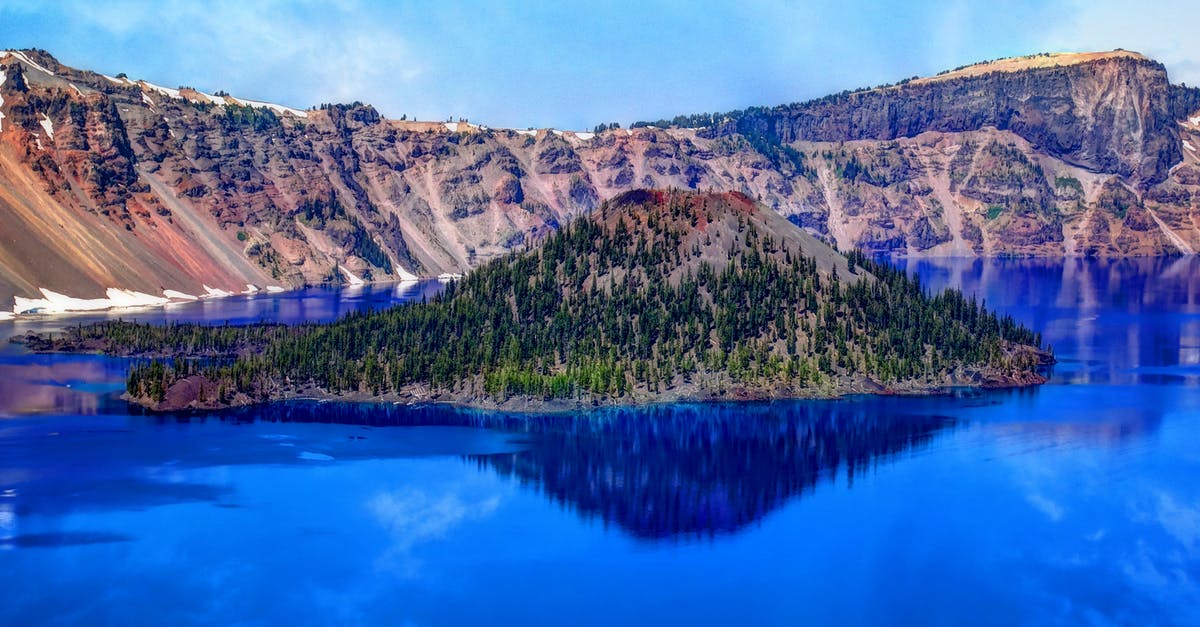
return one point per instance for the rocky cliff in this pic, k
(1106, 112)
(107, 182)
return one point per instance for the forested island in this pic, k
(654, 296)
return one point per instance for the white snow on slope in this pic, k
(350, 276)
(76, 88)
(21, 55)
(1189, 146)
(3, 78)
(217, 100)
(274, 107)
(176, 295)
(129, 298)
(405, 275)
(48, 125)
(146, 99)
(54, 302)
(585, 136)
(212, 292)
(528, 132)
(166, 91)
(250, 288)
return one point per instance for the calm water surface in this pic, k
(1075, 503)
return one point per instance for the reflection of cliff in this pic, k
(1124, 321)
(700, 470)
(46, 386)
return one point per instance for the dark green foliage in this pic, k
(1068, 186)
(257, 118)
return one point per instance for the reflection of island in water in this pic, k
(695, 470)
(665, 471)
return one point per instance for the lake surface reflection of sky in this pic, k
(1076, 502)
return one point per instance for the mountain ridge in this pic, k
(119, 184)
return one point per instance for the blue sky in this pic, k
(573, 64)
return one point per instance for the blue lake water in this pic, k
(1074, 503)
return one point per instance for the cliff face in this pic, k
(111, 183)
(1107, 113)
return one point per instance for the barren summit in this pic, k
(1031, 62)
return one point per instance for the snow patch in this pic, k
(146, 99)
(350, 276)
(1189, 146)
(48, 125)
(211, 98)
(76, 88)
(274, 289)
(446, 277)
(405, 275)
(175, 295)
(129, 298)
(38, 140)
(1195, 121)
(21, 55)
(529, 132)
(452, 127)
(251, 288)
(585, 136)
(54, 302)
(212, 292)
(166, 91)
(280, 109)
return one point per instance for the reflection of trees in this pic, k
(668, 470)
(699, 470)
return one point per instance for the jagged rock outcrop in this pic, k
(108, 182)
